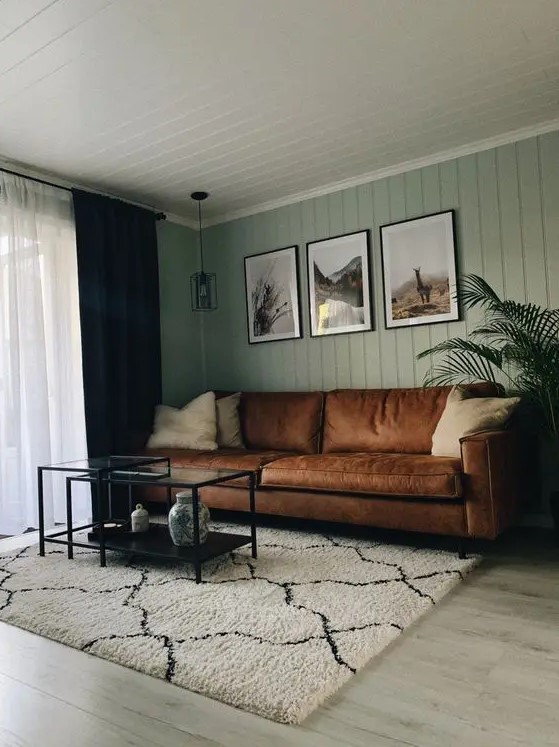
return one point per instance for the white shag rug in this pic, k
(275, 636)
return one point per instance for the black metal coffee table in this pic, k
(106, 472)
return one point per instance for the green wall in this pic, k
(181, 340)
(507, 202)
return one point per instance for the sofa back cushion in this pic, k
(387, 420)
(289, 421)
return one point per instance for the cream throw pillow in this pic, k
(464, 415)
(228, 422)
(192, 427)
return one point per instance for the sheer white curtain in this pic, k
(42, 417)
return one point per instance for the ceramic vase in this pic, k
(181, 521)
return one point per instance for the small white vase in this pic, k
(139, 519)
(181, 521)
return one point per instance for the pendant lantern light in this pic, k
(203, 285)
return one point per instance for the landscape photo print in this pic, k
(339, 284)
(419, 271)
(272, 296)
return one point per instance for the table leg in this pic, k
(252, 499)
(101, 519)
(169, 499)
(196, 531)
(110, 492)
(69, 517)
(41, 511)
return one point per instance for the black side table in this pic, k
(95, 471)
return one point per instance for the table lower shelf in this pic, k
(158, 543)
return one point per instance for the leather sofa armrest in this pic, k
(485, 435)
(494, 465)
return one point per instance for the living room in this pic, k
(341, 356)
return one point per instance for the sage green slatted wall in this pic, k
(181, 342)
(507, 202)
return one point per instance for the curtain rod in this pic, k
(157, 216)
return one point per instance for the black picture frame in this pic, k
(342, 313)
(259, 267)
(401, 303)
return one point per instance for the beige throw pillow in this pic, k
(228, 422)
(192, 427)
(464, 415)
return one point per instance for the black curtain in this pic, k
(119, 308)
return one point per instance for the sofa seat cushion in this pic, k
(379, 474)
(221, 459)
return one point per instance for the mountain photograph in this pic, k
(338, 284)
(344, 285)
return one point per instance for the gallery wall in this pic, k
(507, 203)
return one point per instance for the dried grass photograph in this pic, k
(272, 296)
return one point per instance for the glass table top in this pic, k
(145, 469)
(97, 464)
(176, 476)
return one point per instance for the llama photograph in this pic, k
(272, 296)
(419, 271)
(339, 284)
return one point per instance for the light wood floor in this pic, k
(482, 669)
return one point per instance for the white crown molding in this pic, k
(33, 173)
(447, 155)
(181, 220)
(356, 181)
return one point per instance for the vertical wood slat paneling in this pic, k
(341, 342)
(405, 361)
(371, 343)
(549, 170)
(531, 221)
(387, 349)
(357, 379)
(181, 340)
(507, 203)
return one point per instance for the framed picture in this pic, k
(339, 284)
(419, 271)
(272, 296)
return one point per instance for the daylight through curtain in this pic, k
(41, 386)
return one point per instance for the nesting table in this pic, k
(103, 473)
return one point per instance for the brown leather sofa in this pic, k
(362, 456)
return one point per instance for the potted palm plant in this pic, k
(516, 345)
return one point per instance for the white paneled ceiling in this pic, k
(259, 100)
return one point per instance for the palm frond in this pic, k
(465, 360)
(475, 291)
(517, 340)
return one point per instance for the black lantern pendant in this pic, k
(203, 285)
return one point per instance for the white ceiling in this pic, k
(259, 100)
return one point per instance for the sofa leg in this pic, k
(462, 549)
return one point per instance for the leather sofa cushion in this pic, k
(386, 420)
(221, 459)
(288, 421)
(441, 517)
(379, 474)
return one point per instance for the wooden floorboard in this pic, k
(480, 670)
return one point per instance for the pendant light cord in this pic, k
(200, 235)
